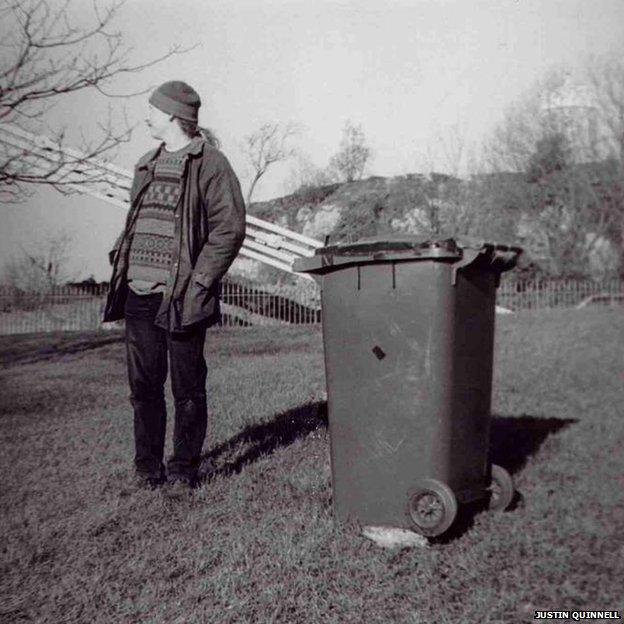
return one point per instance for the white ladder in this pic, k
(266, 242)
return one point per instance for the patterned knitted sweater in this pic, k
(152, 244)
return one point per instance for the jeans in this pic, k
(147, 347)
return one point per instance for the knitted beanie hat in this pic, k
(176, 98)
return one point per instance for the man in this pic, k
(185, 226)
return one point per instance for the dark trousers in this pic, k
(147, 347)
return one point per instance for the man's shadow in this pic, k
(513, 440)
(259, 440)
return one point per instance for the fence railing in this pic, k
(268, 304)
(62, 308)
(248, 304)
(557, 293)
(68, 308)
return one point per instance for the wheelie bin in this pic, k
(408, 335)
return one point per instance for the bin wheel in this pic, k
(432, 507)
(501, 489)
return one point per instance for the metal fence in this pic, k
(63, 308)
(248, 304)
(557, 293)
(269, 304)
(70, 308)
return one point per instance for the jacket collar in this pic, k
(196, 147)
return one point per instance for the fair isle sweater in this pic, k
(151, 249)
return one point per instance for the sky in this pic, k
(419, 76)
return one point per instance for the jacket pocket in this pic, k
(203, 279)
(199, 302)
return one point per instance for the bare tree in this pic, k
(265, 147)
(445, 201)
(438, 202)
(555, 167)
(606, 77)
(306, 174)
(46, 58)
(353, 154)
(40, 267)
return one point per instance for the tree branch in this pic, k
(48, 59)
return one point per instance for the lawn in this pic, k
(257, 542)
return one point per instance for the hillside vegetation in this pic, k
(375, 205)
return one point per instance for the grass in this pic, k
(257, 543)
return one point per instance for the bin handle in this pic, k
(468, 257)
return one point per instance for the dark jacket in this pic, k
(209, 231)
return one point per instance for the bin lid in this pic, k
(405, 247)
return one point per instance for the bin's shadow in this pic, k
(513, 440)
(258, 440)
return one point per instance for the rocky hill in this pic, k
(374, 205)
(496, 207)
(378, 205)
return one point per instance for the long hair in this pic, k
(192, 130)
